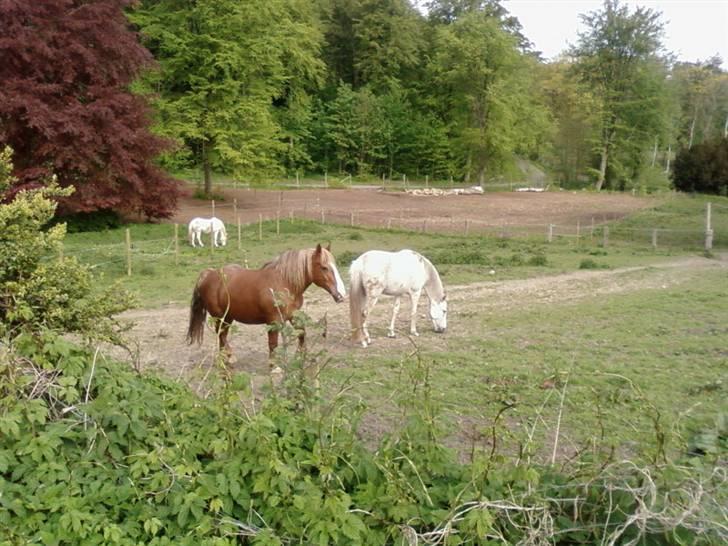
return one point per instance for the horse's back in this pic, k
(396, 272)
(245, 295)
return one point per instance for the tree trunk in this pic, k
(481, 176)
(692, 128)
(207, 171)
(603, 165)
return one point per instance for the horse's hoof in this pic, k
(391, 334)
(364, 344)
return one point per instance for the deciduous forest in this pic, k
(372, 88)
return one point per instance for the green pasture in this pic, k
(160, 276)
(627, 369)
(631, 368)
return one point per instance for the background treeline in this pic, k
(365, 87)
(377, 87)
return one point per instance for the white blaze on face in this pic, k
(339, 283)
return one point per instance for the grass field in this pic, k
(626, 369)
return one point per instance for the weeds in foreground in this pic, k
(135, 458)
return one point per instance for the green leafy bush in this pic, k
(38, 287)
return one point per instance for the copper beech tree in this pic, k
(66, 107)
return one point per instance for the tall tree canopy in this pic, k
(618, 56)
(225, 64)
(66, 108)
(483, 89)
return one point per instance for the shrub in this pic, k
(703, 168)
(39, 288)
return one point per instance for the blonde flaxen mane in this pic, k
(295, 266)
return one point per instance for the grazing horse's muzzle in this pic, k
(440, 330)
(338, 298)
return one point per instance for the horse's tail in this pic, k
(357, 297)
(198, 314)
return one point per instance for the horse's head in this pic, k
(438, 314)
(325, 273)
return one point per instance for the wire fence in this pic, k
(131, 255)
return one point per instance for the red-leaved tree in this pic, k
(66, 107)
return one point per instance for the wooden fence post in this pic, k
(550, 233)
(278, 222)
(176, 244)
(389, 224)
(427, 181)
(654, 238)
(323, 216)
(128, 252)
(326, 179)
(708, 228)
(260, 227)
(298, 181)
(240, 231)
(212, 202)
(591, 234)
(578, 231)
(351, 218)
(467, 227)
(235, 207)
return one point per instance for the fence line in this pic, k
(596, 233)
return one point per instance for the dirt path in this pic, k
(159, 333)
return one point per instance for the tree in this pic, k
(483, 87)
(573, 108)
(66, 108)
(618, 58)
(702, 91)
(225, 66)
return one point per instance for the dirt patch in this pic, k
(369, 206)
(159, 333)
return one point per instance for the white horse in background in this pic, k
(198, 226)
(394, 274)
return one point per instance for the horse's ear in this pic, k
(328, 246)
(318, 248)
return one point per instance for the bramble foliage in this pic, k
(38, 288)
(92, 452)
(703, 168)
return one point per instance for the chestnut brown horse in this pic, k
(267, 295)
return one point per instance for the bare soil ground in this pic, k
(372, 207)
(159, 333)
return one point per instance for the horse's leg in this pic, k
(395, 312)
(272, 343)
(223, 328)
(414, 298)
(372, 298)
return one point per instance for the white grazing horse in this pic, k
(394, 274)
(198, 226)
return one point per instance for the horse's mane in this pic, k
(433, 286)
(295, 265)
